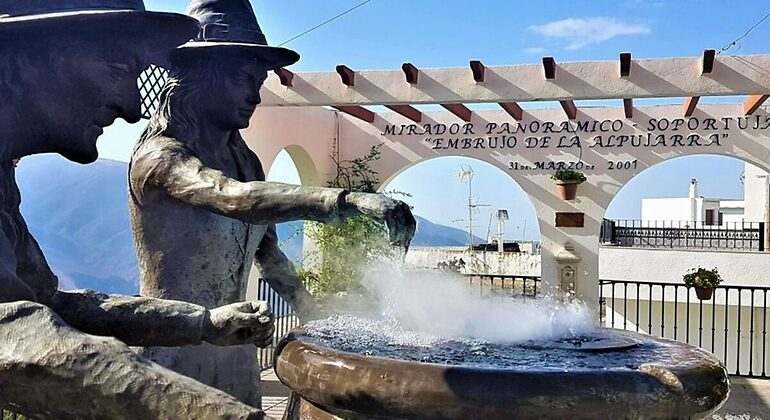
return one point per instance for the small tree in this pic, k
(345, 249)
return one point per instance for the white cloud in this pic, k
(534, 50)
(580, 32)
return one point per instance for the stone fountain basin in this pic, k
(692, 384)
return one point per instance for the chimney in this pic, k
(693, 188)
(694, 202)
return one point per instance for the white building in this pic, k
(696, 210)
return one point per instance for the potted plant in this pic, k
(567, 181)
(704, 281)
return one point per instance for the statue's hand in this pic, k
(396, 215)
(240, 323)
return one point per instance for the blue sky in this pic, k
(441, 33)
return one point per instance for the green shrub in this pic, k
(343, 250)
(702, 277)
(568, 175)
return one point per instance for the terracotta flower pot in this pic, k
(704, 293)
(567, 189)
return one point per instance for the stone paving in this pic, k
(274, 394)
(749, 399)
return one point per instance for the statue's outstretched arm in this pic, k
(137, 321)
(279, 273)
(142, 321)
(173, 170)
(183, 176)
(49, 370)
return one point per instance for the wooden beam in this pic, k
(708, 61)
(513, 109)
(549, 68)
(664, 78)
(408, 111)
(347, 75)
(285, 76)
(460, 110)
(411, 72)
(356, 111)
(628, 107)
(690, 104)
(625, 64)
(753, 103)
(477, 67)
(568, 105)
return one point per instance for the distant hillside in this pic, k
(428, 234)
(79, 215)
(433, 234)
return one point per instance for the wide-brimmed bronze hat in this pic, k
(31, 19)
(230, 25)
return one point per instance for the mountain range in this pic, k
(79, 216)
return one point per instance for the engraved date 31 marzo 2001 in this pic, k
(547, 165)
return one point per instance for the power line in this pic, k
(748, 31)
(331, 19)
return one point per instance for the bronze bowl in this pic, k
(678, 381)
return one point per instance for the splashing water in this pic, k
(438, 318)
(386, 338)
(442, 304)
(419, 308)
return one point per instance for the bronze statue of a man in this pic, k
(68, 68)
(201, 210)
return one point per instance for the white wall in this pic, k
(737, 268)
(673, 211)
(733, 216)
(513, 263)
(666, 210)
(755, 187)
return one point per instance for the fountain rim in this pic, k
(360, 386)
(297, 335)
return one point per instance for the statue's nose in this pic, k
(131, 108)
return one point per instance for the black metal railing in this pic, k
(732, 324)
(285, 321)
(505, 285)
(745, 236)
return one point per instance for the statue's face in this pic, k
(87, 88)
(233, 106)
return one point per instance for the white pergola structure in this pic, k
(315, 115)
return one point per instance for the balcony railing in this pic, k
(744, 236)
(505, 285)
(285, 321)
(733, 324)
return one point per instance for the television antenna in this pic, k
(466, 176)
